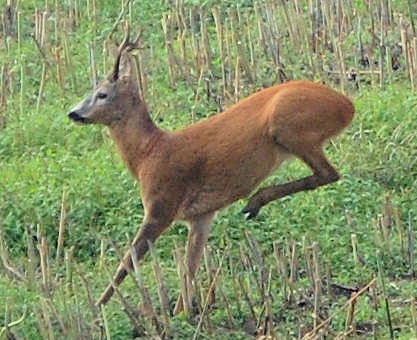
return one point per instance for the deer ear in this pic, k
(123, 65)
(126, 64)
(126, 67)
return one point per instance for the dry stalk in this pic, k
(102, 253)
(166, 27)
(44, 254)
(239, 46)
(387, 216)
(119, 18)
(140, 74)
(317, 281)
(342, 68)
(183, 34)
(306, 44)
(62, 225)
(306, 250)
(38, 25)
(246, 260)
(251, 48)
(3, 95)
(378, 233)
(312, 333)
(411, 247)
(237, 80)
(261, 28)
(195, 42)
(207, 323)
(43, 30)
(237, 294)
(147, 307)
(413, 314)
(410, 13)
(404, 47)
(77, 318)
(294, 262)
(21, 94)
(227, 303)
(354, 240)
(291, 29)
(206, 303)
(68, 257)
(93, 68)
(208, 264)
(10, 270)
(162, 292)
(105, 323)
(182, 274)
(349, 324)
(269, 324)
(284, 270)
(382, 50)
(57, 316)
(122, 259)
(197, 94)
(260, 262)
(41, 323)
(220, 39)
(384, 294)
(128, 309)
(46, 317)
(59, 68)
(411, 70)
(205, 40)
(84, 280)
(412, 51)
(247, 298)
(68, 60)
(41, 87)
(41, 51)
(400, 230)
(8, 325)
(229, 59)
(31, 256)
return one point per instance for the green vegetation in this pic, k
(292, 267)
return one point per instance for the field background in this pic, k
(67, 203)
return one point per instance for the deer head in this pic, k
(112, 98)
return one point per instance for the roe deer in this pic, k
(190, 174)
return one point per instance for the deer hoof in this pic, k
(251, 210)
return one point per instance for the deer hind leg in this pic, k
(197, 239)
(323, 173)
(151, 229)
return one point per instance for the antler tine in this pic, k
(126, 38)
(134, 45)
(122, 47)
(137, 39)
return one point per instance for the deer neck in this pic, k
(135, 137)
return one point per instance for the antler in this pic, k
(127, 46)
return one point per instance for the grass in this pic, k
(43, 155)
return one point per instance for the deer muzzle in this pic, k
(76, 117)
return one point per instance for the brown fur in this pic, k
(192, 173)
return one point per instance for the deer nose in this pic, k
(74, 116)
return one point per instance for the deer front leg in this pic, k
(152, 227)
(323, 173)
(197, 239)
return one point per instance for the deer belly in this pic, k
(227, 185)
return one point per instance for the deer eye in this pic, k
(101, 95)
